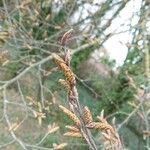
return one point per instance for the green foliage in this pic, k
(12, 70)
(107, 61)
(60, 17)
(81, 56)
(114, 92)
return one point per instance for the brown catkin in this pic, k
(102, 126)
(87, 115)
(71, 115)
(73, 134)
(64, 84)
(70, 77)
(99, 125)
(72, 128)
(57, 59)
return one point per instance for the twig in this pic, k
(7, 83)
(8, 122)
(5, 145)
(130, 115)
(64, 65)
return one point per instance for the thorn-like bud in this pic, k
(102, 114)
(65, 37)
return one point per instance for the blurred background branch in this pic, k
(31, 30)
